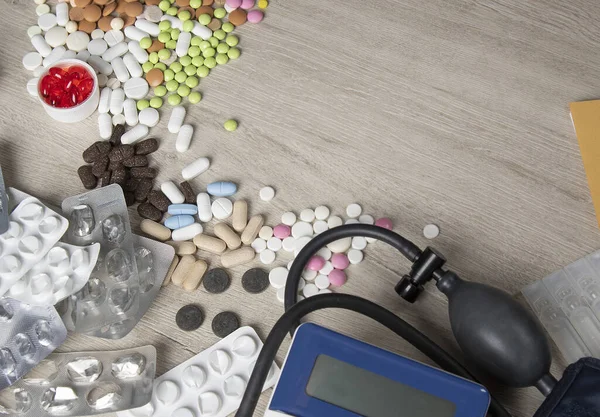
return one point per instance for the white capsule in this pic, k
(202, 31)
(62, 14)
(130, 111)
(194, 169)
(176, 23)
(176, 119)
(100, 65)
(147, 26)
(114, 37)
(102, 80)
(105, 125)
(114, 83)
(183, 44)
(34, 30)
(184, 138)
(172, 192)
(204, 207)
(120, 69)
(133, 135)
(149, 117)
(54, 56)
(71, 26)
(138, 52)
(114, 51)
(40, 45)
(133, 66)
(104, 104)
(187, 232)
(83, 56)
(135, 33)
(117, 98)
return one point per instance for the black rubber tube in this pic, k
(362, 306)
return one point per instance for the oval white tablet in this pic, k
(136, 88)
(32, 60)
(97, 47)
(56, 36)
(196, 168)
(149, 117)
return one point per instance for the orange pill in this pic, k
(81, 3)
(109, 8)
(121, 6)
(156, 46)
(104, 23)
(237, 17)
(130, 1)
(134, 9)
(188, 8)
(207, 2)
(152, 2)
(92, 13)
(76, 14)
(100, 2)
(87, 27)
(205, 10)
(214, 24)
(155, 77)
(129, 20)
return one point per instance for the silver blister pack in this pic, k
(83, 384)
(112, 293)
(27, 335)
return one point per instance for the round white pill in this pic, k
(309, 290)
(341, 245)
(42, 9)
(152, 13)
(47, 21)
(97, 34)
(32, 86)
(267, 256)
(359, 242)
(39, 1)
(102, 80)
(274, 244)
(34, 30)
(431, 231)
(39, 71)
(301, 242)
(78, 41)
(118, 119)
(352, 221)
(327, 268)
(222, 208)
(353, 210)
(289, 244)
(321, 213)
(309, 274)
(97, 46)
(301, 229)
(266, 193)
(334, 221)
(280, 295)
(324, 253)
(355, 256)
(149, 117)
(366, 219)
(259, 245)
(320, 226)
(113, 83)
(32, 60)
(113, 37)
(322, 281)
(56, 36)
(278, 277)
(288, 218)
(136, 88)
(117, 23)
(266, 232)
(307, 215)
(71, 26)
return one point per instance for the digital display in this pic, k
(371, 395)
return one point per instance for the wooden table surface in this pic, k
(454, 113)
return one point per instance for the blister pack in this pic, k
(83, 384)
(4, 211)
(27, 335)
(211, 383)
(112, 293)
(33, 230)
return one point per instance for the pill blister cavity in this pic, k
(7, 361)
(94, 292)
(118, 265)
(167, 392)
(121, 299)
(14, 231)
(113, 229)
(32, 212)
(43, 330)
(183, 412)
(220, 361)
(24, 345)
(6, 311)
(104, 396)
(79, 259)
(59, 400)
(209, 404)
(144, 411)
(49, 225)
(14, 401)
(129, 366)
(41, 286)
(82, 220)
(44, 373)
(234, 386)
(119, 327)
(244, 346)
(194, 376)
(58, 259)
(84, 370)
(30, 245)
(9, 264)
(145, 265)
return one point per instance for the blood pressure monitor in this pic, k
(329, 374)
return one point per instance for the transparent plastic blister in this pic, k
(32, 231)
(112, 293)
(27, 335)
(211, 383)
(83, 384)
(4, 209)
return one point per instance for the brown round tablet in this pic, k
(92, 13)
(130, 1)
(121, 6)
(109, 8)
(81, 3)
(237, 17)
(129, 20)
(156, 46)
(134, 9)
(155, 77)
(188, 8)
(104, 23)
(76, 14)
(205, 10)
(87, 27)
(100, 2)
(152, 2)
(182, 3)
(207, 2)
(215, 24)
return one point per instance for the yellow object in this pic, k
(586, 120)
(262, 4)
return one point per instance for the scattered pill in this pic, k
(355, 256)
(274, 244)
(337, 278)
(353, 210)
(265, 232)
(32, 60)
(322, 281)
(221, 188)
(334, 221)
(210, 244)
(309, 290)
(133, 66)
(267, 193)
(282, 231)
(176, 119)
(278, 277)
(230, 125)
(225, 323)
(40, 45)
(221, 208)
(252, 229)
(179, 221)
(178, 209)
(100, 66)
(185, 265)
(136, 88)
(155, 230)
(240, 215)
(138, 52)
(255, 16)
(149, 117)
(320, 226)
(288, 218)
(340, 261)
(359, 243)
(54, 56)
(321, 213)
(184, 138)
(87, 177)
(326, 270)
(172, 267)
(159, 200)
(301, 229)
(189, 318)
(172, 192)
(46, 21)
(187, 232)
(105, 125)
(366, 219)
(133, 135)
(216, 281)
(431, 231)
(316, 263)
(385, 223)
(146, 147)
(225, 233)
(102, 80)
(259, 245)
(62, 14)
(255, 281)
(237, 257)
(307, 215)
(130, 112)
(204, 207)
(289, 244)
(267, 256)
(56, 36)
(188, 192)
(32, 88)
(34, 30)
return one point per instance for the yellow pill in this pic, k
(262, 4)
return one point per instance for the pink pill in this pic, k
(282, 231)
(316, 263)
(385, 223)
(340, 261)
(255, 16)
(337, 278)
(233, 3)
(247, 4)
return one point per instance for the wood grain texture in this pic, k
(447, 112)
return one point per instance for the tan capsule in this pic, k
(237, 257)
(183, 248)
(185, 266)
(240, 215)
(195, 275)
(210, 244)
(155, 230)
(252, 229)
(170, 271)
(223, 231)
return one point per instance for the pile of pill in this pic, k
(65, 87)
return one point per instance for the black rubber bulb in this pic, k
(497, 333)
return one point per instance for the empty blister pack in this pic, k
(112, 293)
(27, 335)
(4, 210)
(32, 231)
(211, 383)
(83, 384)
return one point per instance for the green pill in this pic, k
(222, 59)
(172, 11)
(194, 4)
(174, 99)
(191, 81)
(147, 66)
(203, 45)
(183, 90)
(185, 60)
(194, 51)
(142, 104)
(175, 34)
(233, 53)
(172, 44)
(164, 54)
(164, 5)
(204, 19)
(146, 42)
(188, 25)
(172, 85)
(176, 66)
(208, 52)
(196, 40)
(213, 41)
(230, 125)
(202, 71)
(190, 70)
(160, 91)
(222, 48)
(232, 40)
(227, 27)
(161, 66)
(164, 37)
(184, 15)
(153, 57)
(194, 97)
(156, 102)
(197, 61)
(165, 25)
(220, 34)
(210, 62)
(220, 13)
(180, 77)
(168, 75)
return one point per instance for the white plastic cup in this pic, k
(82, 110)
